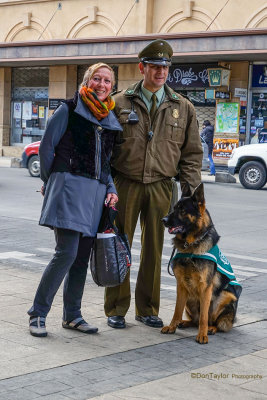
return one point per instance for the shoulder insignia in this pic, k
(175, 96)
(129, 91)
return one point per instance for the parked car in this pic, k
(30, 158)
(250, 161)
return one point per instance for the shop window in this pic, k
(258, 128)
(29, 104)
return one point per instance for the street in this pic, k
(141, 354)
(240, 217)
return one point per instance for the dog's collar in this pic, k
(186, 244)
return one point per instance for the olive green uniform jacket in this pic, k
(174, 148)
(143, 182)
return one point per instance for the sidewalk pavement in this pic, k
(133, 363)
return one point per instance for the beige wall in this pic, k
(62, 82)
(5, 93)
(26, 20)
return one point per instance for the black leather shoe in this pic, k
(150, 320)
(117, 322)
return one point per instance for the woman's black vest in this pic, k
(84, 149)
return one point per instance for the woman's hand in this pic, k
(112, 199)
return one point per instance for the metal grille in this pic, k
(29, 93)
(30, 77)
(81, 71)
(205, 113)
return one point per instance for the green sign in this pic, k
(215, 76)
(227, 118)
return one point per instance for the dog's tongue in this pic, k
(174, 230)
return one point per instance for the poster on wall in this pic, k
(27, 110)
(34, 111)
(223, 147)
(41, 111)
(227, 118)
(17, 110)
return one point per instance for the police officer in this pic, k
(160, 140)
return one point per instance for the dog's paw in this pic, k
(212, 330)
(202, 339)
(184, 324)
(168, 329)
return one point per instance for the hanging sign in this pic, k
(219, 76)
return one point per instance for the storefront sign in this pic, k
(227, 117)
(223, 147)
(219, 76)
(54, 103)
(188, 76)
(259, 76)
(240, 92)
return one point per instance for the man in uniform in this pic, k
(160, 140)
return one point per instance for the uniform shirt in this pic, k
(146, 95)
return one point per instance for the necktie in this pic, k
(153, 108)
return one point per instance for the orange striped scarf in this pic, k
(98, 108)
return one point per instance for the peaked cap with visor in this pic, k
(158, 52)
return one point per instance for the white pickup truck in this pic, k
(250, 161)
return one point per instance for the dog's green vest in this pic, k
(215, 255)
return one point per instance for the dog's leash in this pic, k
(169, 263)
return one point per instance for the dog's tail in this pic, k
(225, 321)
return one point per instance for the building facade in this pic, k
(46, 45)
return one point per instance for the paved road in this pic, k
(231, 207)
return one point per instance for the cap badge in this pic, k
(175, 113)
(160, 54)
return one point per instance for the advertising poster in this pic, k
(223, 147)
(227, 118)
(17, 110)
(41, 111)
(27, 110)
(34, 111)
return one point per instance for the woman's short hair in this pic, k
(89, 73)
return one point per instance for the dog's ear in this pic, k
(186, 191)
(198, 194)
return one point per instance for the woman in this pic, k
(74, 158)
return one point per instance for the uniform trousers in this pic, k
(151, 202)
(70, 261)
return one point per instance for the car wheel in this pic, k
(252, 175)
(34, 166)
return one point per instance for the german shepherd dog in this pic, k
(204, 293)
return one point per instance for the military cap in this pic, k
(158, 52)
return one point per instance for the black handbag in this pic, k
(110, 258)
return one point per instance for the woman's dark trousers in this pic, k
(70, 261)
